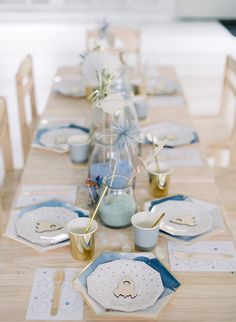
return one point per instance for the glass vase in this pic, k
(118, 204)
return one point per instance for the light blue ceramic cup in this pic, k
(145, 237)
(79, 148)
(141, 106)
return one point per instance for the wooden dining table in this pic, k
(202, 296)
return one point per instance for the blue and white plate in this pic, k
(54, 138)
(169, 282)
(45, 223)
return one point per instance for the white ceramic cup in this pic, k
(145, 237)
(141, 106)
(79, 147)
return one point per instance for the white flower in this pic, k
(95, 61)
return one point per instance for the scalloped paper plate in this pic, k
(144, 285)
(184, 210)
(70, 87)
(57, 213)
(54, 137)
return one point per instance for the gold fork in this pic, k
(58, 280)
(216, 256)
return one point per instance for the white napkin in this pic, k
(40, 302)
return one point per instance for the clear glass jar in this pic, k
(118, 204)
(122, 84)
(102, 121)
(105, 160)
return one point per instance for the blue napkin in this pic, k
(54, 203)
(103, 169)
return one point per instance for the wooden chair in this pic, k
(5, 142)
(12, 177)
(218, 133)
(25, 89)
(124, 40)
(226, 185)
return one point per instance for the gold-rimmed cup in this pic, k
(159, 179)
(82, 244)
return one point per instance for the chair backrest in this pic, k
(124, 39)
(5, 147)
(25, 88)
(229, 89)
(229, 85)
(5, 141)
(1, 217)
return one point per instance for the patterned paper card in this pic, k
(167, 101)
(204, 256)
(180, 157)
(71, 304)
(33, 194)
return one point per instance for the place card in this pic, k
(34, 194)
(167, 101)
(203, 256)
(180, 157)
(40, 302)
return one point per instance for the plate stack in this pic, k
(187, 219)
(133, 284)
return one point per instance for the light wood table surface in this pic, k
(201, 297)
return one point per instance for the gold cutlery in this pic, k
(58, 280)
(189, 256)
(43, 192)
(168, 158)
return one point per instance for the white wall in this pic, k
(207, 8)
(88, 11)
(197, 50)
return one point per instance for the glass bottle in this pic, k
(105, 161)
(102, 120)
(118, 204)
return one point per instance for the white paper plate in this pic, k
(70, 87)
(183, 210)
(107, 279)
(27, 224)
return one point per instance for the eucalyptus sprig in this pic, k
(104, 79)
